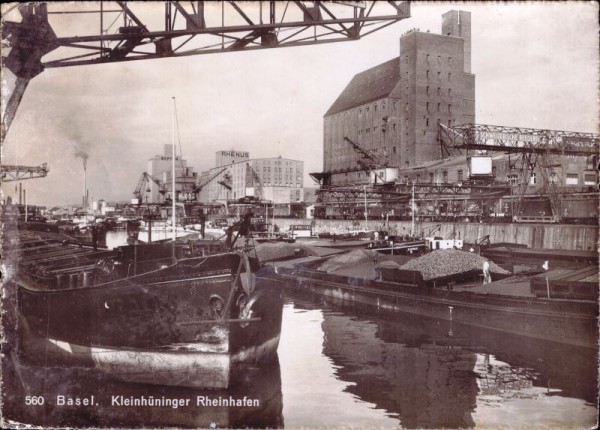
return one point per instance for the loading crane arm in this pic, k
(240, 228)
(144, 181)
(430, 230)
(369, 161)
(225, 182)
(484, 241)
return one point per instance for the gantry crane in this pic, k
(537, 148)
(128, 31)
(395, 196)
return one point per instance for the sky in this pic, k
(536, 65)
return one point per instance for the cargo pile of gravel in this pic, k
(446, 262)
(351, 258)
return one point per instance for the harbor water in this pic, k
(340, 366)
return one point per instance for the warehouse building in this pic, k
(392, 110)
(279, 180)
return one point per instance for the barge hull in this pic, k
(195, 369)
(572, 323)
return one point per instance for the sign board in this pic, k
(480, 166)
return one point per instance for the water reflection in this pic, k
(428, 385)
(428, 373)
(344, 367)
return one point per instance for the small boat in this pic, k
(161, 231)
(149, 313)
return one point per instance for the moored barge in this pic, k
(156, 313)
(513, 305)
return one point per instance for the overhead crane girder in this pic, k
(11, 173)
(537, 147)
(249, 26)
(402, 192)
(229, 25)
(517, 140)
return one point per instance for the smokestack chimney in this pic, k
(84, 183)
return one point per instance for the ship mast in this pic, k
(173, 217)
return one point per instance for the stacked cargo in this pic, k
(451, 265)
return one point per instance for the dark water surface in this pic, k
(338, 367)
(399, 370)
(344, 367)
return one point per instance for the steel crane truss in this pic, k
(348, 194)
(198, 188)
(536, 147)
(143, 183)
(10, 173)
(402, 193)
(517, 140)
(130, 31)
(370, 161)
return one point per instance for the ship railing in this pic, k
(77, 261)
(565, 289)
(146, 266)
(134, 279)
(81, 276)
(84, 277)
(39, 280)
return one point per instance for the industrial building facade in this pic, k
(387, 127)
(279, 180)
(393, 109)
(160, 168)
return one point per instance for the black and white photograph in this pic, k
(299, 215)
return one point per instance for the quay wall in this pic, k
(547, 236)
